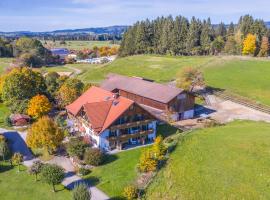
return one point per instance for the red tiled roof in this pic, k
(151, 90)
(101, 108)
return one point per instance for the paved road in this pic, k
(18, 144)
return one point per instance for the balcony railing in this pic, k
(130, 124)
(125, 137)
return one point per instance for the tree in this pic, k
(76, 147)
(193, 37)
(190, 77)
(52, 174)
(93, 156)
(205, 37)
(231, 46)
(4, 149)
(147, 162)
(35, 168)
(29, 60)
(264, 51)
(39, 106)
(44, 134)
(52, 83)
(217, 45)
(19, 86)
(130, 192)
(249, 45)
(81, 192)
(17, 159)
(69, 92)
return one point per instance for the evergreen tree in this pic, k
(221, 30)
(230, 31)
(193, 36)
(206, 36)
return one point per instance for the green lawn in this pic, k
(159, 68)
(22, 186)
(227, 162)
(119, 172)
(248, 78)
(79, 45)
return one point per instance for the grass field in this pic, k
(79, 45)
(119, 172)
(248, 78)
(227, 162)
(159, 68)
(22, 186)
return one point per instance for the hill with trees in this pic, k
(180, 36)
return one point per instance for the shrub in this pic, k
(147, 162)
(52, 174)
(83, 171)
(76, 147)
(17, 159)
(130, 192)
(93, 157)
(8, 121)
(81, 192)
(35, 169)
(158, 149)
(4, 149)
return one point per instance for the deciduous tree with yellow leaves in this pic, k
(44, 134)
(249, 45)
(38, 106)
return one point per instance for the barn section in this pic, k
(168, 99)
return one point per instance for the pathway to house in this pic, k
(17, 140)
(76, 70)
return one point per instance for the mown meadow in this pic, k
(226, 162)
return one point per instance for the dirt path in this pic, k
(227, 111)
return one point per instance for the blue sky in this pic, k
(45, 15)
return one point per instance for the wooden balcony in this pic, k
(130, 125)
(125, 137)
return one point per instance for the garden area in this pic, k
(21, 185)
(230, 162)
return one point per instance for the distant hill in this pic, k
(111, 30)
(267, 24)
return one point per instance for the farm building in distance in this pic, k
(156, 98)
(61, 52)
(109, 121)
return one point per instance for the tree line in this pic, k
(180, 36)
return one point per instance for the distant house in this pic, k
(152, 96)
(110, 121)
(61, 52)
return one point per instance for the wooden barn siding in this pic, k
(143, 100)
(180, 105)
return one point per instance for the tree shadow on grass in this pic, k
(109, 158)
(5, 168)
(92, 180)
(117, 198)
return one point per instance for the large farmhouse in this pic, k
(176, 102)
(110, 121)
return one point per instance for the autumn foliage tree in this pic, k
(264, 52)
(147, 162)
(190, 77)
(69, 91)
(249, 45)
(20, 85)
(44, 134)
(38, 106)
